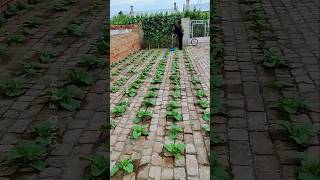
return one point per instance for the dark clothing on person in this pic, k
(178, 31)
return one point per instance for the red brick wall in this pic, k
(122, 45)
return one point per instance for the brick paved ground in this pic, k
(148, 154)
(78, 132)
(254, 148)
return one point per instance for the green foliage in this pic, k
(176, 94)
(150, 95)
(45, 57)
(30, 69)
(11, 87)
(291, 105)
(126, 165)
(200, 94)
(80, 78)
(272, 60)
(195, 79)
(149, 102)
(218, 171)
(65, 97)
(142, 116)
(299, 133)
(114, 89)
(174, 130)
(215, 138)
(27, 154)
(203, 103)
(15, 39)
(45, 132)
(217, 81)
(172, 105)
(73, 30)
(206, 116)
(121, 81)
(175, 149)
(34, 22)
(138, 131)
(206, 128)
(11, 10)
(120, 108)
(99, 165)
(89, 61)
(310, 168)
(131, 92)
(174, 115)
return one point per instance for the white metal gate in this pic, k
(199, 28)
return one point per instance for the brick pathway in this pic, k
(148, 154)
(255, 149)
(78, 132)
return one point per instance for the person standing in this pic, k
(179, 33)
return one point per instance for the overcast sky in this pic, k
(143, 5)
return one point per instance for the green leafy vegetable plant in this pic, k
(206, 116)
(45, 57)
(175, 149)
(120, 108)
(174, 130)
(15, 39)
(203, 103)
(126, 165)
(80, 78)
(89, 61)
(174, 114)
(99, 166)
(73, 30)
(30, 69)
(172, 105)
(138, 131)
(291, 105)
(299, 133)
(34, 22)
(27, 154)
(272, 60)
(142, 115)
(200, 94)
(206, 128)
(131, 92)
(310, 168)
(65, 97)
(11, 87)
(114, 89)
(149, 102)
(45, 132)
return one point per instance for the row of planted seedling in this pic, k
(118, 66)
(32, 153)
(30, 26)
(174, 110)
(201, 96)
(143, 115)
(301, 134)
(115, 87)
(120, 108)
